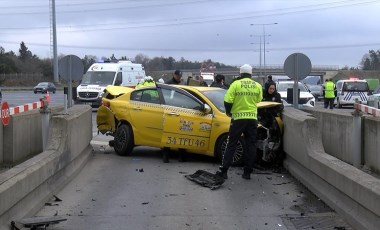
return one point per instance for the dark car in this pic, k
(317, 91)
(44, 87)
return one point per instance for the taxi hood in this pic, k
(118, 90)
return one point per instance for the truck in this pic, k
(100, 75)
(208, 77)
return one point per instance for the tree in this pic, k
(25, 54)
(142, 59)
(2, 50)
(7, 65)
(367, 64)
(88, 60)
(46, 67)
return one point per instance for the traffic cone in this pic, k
(47, 96)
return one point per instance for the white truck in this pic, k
(208, 77)
(100, 75)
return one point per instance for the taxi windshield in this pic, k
(216, 97)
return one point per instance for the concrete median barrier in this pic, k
(25, 188)
(354, 194)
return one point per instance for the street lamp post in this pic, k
(259, 53)
(263, 25)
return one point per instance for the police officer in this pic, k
(329, 93)
(147, 81)
(240, 103)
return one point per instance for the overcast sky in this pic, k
(335, 32)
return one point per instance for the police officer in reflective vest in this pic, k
(329, 93)
(240, 103)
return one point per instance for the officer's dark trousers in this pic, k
(247, 127)
(329, 102)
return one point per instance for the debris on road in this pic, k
(206, 179)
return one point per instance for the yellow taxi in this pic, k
(182, 117)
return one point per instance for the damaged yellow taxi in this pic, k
(180, 117)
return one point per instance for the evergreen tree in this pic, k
(25, 54)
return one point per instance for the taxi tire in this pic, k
(221, 145)
(123, 143)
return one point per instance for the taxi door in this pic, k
(146, 114)
(185, 125)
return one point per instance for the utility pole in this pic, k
(53, 40)
(260, 68)
(264, 35)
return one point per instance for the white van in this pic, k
(306, 99)
(348, 91)
(99, 75)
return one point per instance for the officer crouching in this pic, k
(240, 103)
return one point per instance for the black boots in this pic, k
(222, 173)
(246, 174)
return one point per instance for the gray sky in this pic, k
(335, 32)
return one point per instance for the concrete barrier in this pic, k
(371, 143)
(355, 195)
(337, 128)
(26, 187)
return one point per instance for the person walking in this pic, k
(240, 103)
(329, 93)
(176, 79)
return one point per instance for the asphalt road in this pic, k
(141, 192)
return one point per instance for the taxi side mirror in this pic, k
(206, 109)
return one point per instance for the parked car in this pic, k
(317, 91)
(305, 97)
(181, 117)
(374, 99)
(44, 87)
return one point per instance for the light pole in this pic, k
(259, 51)
(263, 25)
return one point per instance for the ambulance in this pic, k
(349, 91)
(100, 75)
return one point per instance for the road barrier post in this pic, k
(356, 143)
(45, 118)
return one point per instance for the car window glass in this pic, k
(175, 98)
(148, 96)
(284, 86)
(355, 86)
(119, 79)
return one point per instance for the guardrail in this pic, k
(367, 109)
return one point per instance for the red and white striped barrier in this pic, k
(29, 106)
(367, 109)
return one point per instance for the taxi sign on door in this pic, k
(5, 113)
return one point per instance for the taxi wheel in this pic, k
(123, 144)
(221, 146)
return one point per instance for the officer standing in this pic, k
(329, 93)
(240, 103)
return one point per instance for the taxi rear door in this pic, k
(146, 114)
(185, 125)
